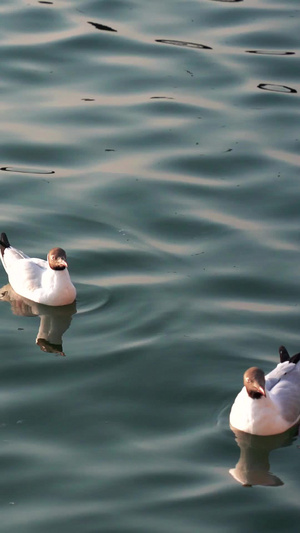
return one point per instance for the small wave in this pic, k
(227, 1)
(91, 298)
(161, 98)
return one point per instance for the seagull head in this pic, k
(254, 381)
(57, 259)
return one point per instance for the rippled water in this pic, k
(158, 143)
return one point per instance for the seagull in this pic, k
(269, 405)
(44, 282)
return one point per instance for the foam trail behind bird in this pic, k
(45, 282)
(269, 405)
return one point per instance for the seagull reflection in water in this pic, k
(253, 467)
(54, 321)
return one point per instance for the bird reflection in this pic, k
(253, 465)
(54, 321)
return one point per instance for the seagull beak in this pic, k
(63, 262)
(261, 390)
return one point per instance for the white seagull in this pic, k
(268, 405)
(45, 282)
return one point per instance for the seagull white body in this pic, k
(35, 279)
(275, 412)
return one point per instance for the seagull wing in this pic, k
(285, 393)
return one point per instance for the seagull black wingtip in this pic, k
(4, 242)
(284, 356)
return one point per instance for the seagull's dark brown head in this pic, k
(254, 381)
(57, 259)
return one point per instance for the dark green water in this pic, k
(164, 157)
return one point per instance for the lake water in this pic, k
(158, 143)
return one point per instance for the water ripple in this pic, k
(184, 44)
(270, 52)
(276, 88)
(27, 170)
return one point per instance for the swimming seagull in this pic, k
(45, 282)
(268, 405)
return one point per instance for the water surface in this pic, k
(158, 143)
